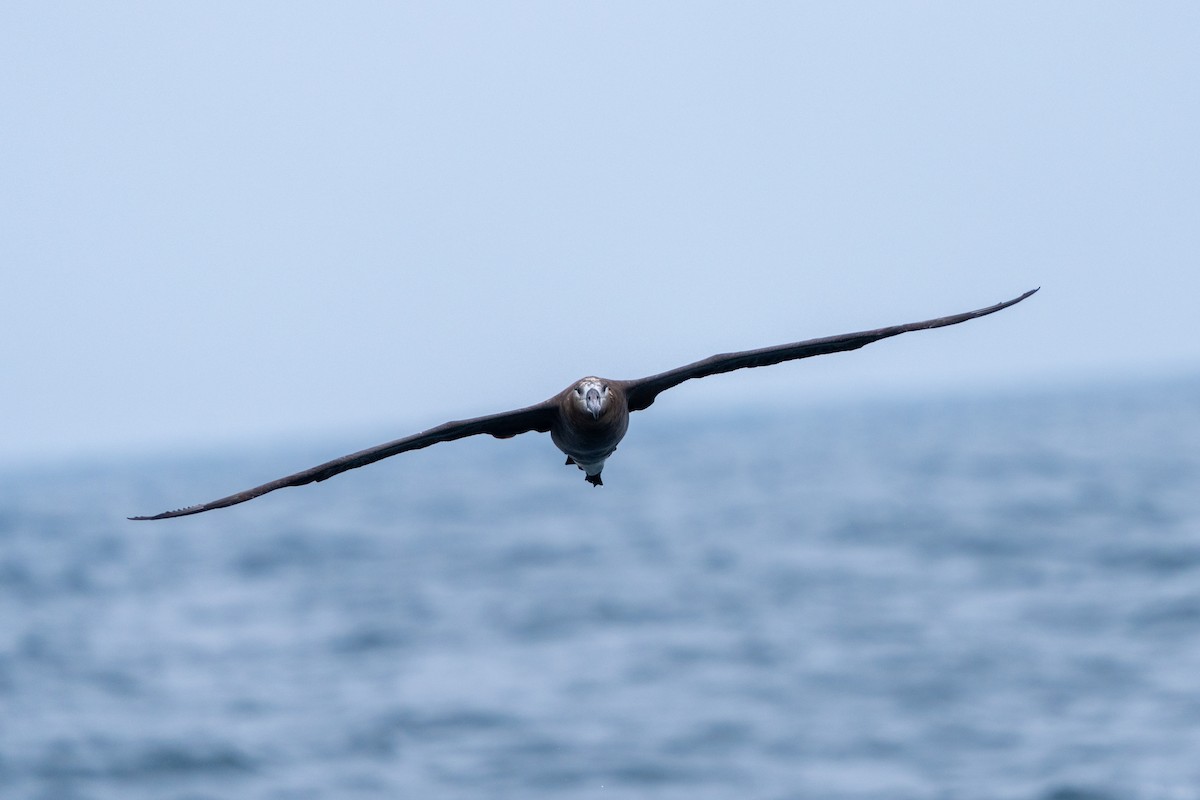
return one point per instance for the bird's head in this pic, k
(592, 396)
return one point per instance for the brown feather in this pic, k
(538, 417)
(643, 391)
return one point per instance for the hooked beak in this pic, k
(591, 402)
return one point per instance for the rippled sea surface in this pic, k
(970, 598)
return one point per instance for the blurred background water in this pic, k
(960, 598)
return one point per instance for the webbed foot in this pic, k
(594, 480)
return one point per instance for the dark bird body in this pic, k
(588, 419)
(590, 437)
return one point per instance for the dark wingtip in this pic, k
(179, 512)
(1016, 300)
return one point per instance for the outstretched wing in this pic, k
(510, 423)
(641, 393)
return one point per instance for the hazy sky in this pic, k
(221, 222)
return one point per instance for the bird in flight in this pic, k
(588, 419)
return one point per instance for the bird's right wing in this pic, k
(641, 392)
(504, 425)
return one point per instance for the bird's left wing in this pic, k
(504, 425)
(641, 392)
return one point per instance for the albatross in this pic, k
(588, 419)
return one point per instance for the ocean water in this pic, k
(967, 598)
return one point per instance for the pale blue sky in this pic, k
(227, 222)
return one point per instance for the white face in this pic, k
(592, 395)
